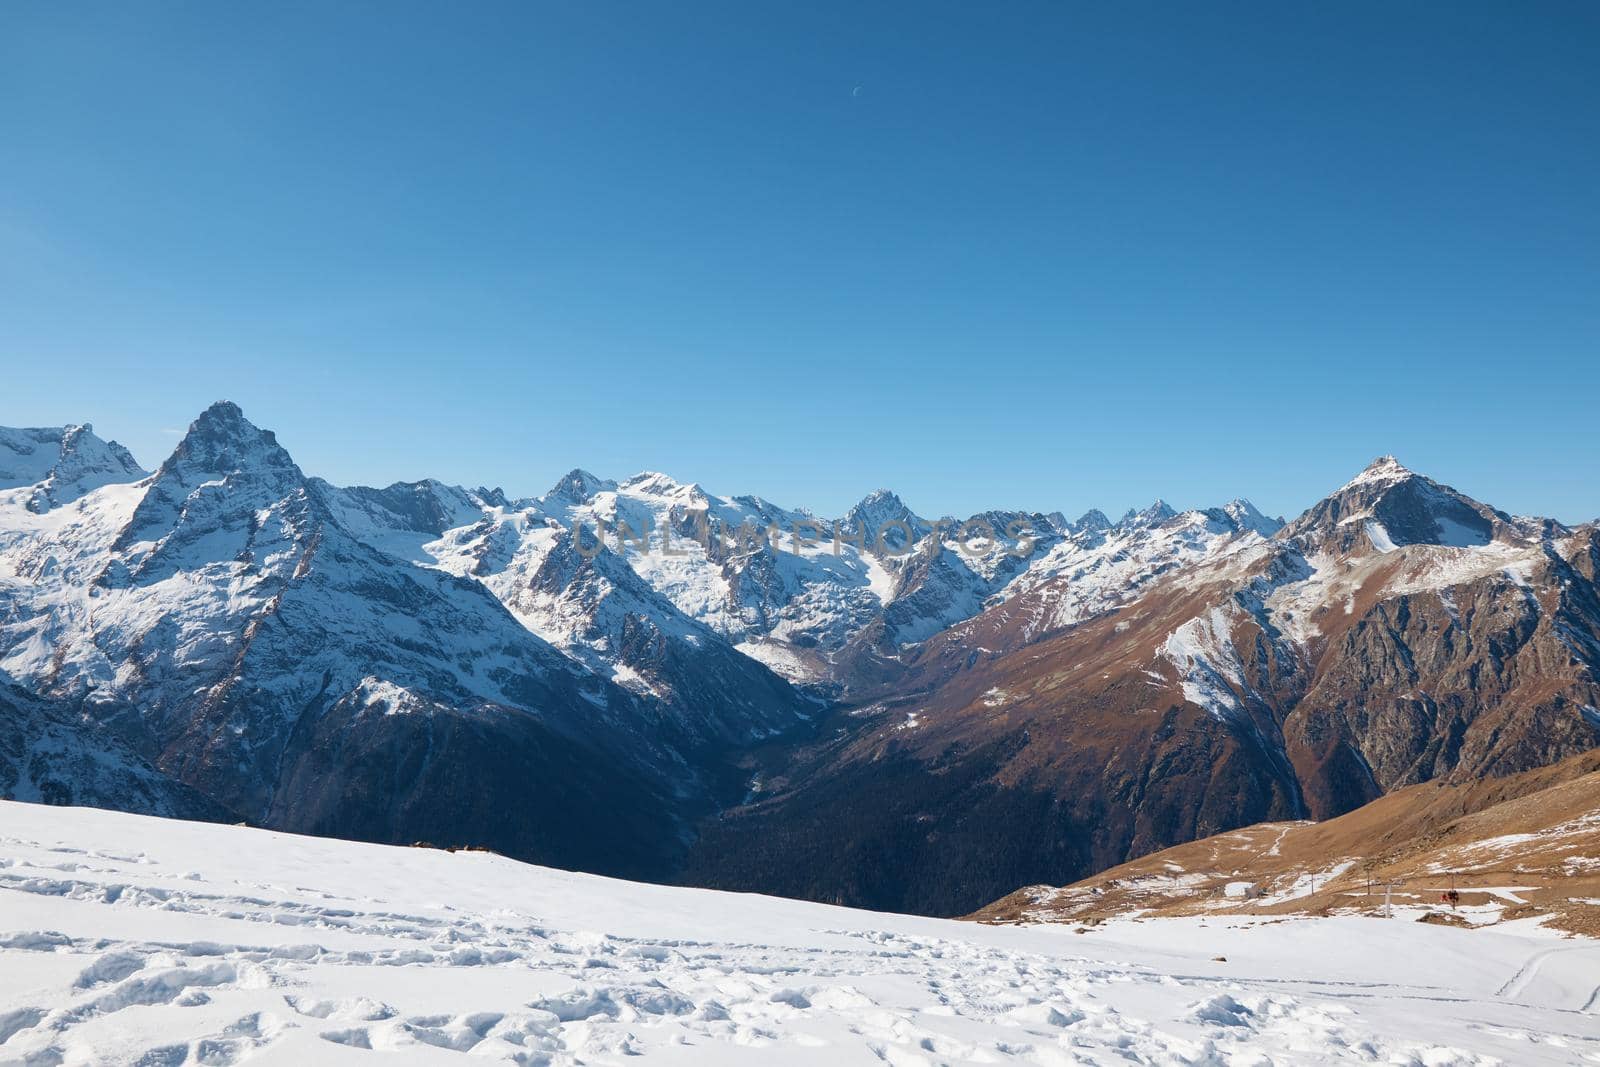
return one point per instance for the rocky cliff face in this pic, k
(48, 756)
(1440, 639)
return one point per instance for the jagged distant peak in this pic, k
(1157, 512)
(1093, 519)
(761, 504)
(1385, 469)
(222, 440)
(82, 451)
(81, 437)
(448, 504)
(878, 507)
(211, 497)
(62, 462)
(1247, 517)
(653, 483)
(880, 501)
(48, 447)
(493, 498)
(578, 486)
(1389, 506)
(221, 414)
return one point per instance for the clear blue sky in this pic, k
(1035, 255)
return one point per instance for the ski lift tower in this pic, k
(1389, 887)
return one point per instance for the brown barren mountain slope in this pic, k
(1511, 848)
(1398, 632)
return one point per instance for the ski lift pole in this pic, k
(1388, 888)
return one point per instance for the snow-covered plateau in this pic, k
(128, 939)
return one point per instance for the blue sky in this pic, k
(1030, 255)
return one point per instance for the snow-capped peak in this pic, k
(651, 483)
(211, 497)
(1388, 506)
(62, 463)
(1093, 519)
(577, 486)
(880, 508)
(1158, 512)
(1380, 471)
(491, 498)
(1246, 517)
(880, 502)
(222, 440)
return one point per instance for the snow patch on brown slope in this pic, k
(1527, 846)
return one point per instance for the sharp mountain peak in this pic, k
(221, 440)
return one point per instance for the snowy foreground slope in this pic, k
(126, 939)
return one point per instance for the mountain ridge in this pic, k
(963, 715)
(1268, 678)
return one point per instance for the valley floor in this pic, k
(133, 940)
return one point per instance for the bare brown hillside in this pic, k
(1526, 845)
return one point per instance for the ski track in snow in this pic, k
(138, 941)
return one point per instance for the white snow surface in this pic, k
(1379, 536)
(1209, 666)
(126, 940)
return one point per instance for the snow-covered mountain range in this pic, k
(1397, 632)
(710, 686)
